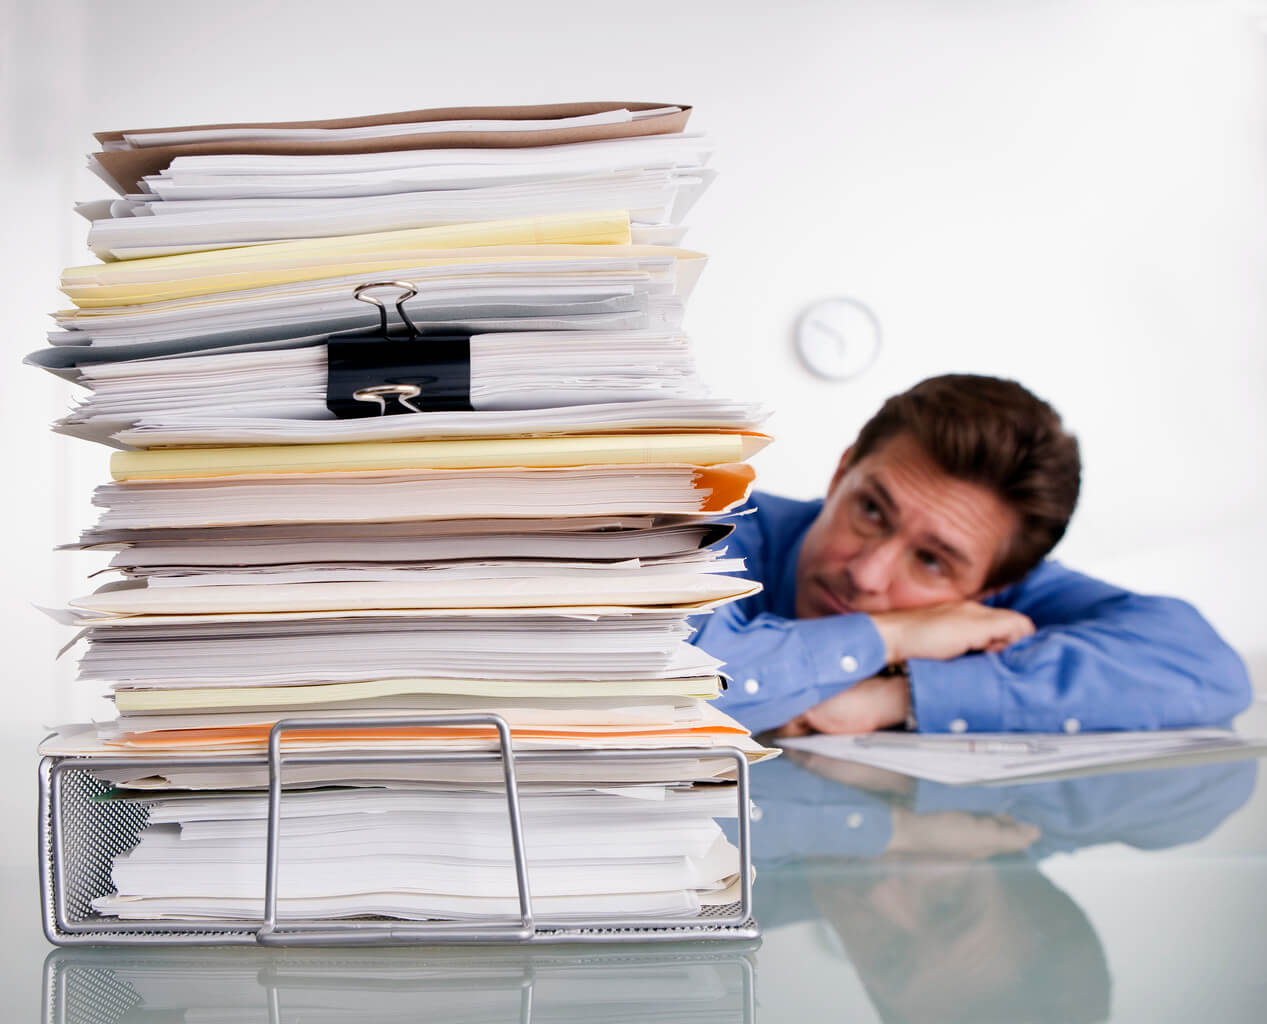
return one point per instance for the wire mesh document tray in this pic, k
(80, 836)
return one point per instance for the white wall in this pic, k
(1065, 191)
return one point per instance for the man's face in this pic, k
(896, 532)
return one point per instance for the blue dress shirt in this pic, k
(802, 817)
(1101, 657)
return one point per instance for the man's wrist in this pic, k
(889, 628)
(899, 670)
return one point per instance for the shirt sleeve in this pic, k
(779, 668)
(797, 816)
(1100, 658)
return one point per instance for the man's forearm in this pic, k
(779, 668)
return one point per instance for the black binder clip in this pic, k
(380, 375)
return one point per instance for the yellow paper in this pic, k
(609, 227)
(379, 456)
(131, 298)
(287, 262)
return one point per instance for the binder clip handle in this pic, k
(402, 393)
(407, 291)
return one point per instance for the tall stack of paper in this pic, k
(534, 550)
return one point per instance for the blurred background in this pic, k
(1068, 192)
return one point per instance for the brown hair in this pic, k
(996, 434)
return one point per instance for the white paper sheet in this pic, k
(998, 757)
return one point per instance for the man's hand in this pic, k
(958, 835)
(874, 703)
(945, 631)
(939, 632)
(852, 774)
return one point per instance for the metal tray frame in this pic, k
(78, 839)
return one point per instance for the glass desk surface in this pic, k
(1128, 896)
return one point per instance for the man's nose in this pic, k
(873, 566)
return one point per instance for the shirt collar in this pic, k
(790, 530)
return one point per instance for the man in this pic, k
(917, 591)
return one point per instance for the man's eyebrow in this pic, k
(929, 539)
(949, 550)
(886, 499)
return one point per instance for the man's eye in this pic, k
(867, 516)
(929, 562)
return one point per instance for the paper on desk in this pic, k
(712, 728)
(658, 589)
(102, 620)
(399, 496)
(123, 167)
(265, 133)
(656, 199)
(431, 572)
(400, 546)
(944, 759)
(255, 266)
(510, 370)
(194, 428)
(204, 652)
(333, 696)
(496, 288)
(583, 712)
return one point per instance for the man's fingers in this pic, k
(1024, 626)
(946, 631)
(874, 703)
(797, 727)
(1011, 627)
(1012, 836)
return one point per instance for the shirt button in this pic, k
(854, 820)
(958, 725)
(849, 663)
(751, 686)
(755, 812)
(1071, 725)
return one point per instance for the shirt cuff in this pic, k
(842, 651)
(960, 695)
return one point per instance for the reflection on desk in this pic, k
(473, 986)
(934, 892)
(931, 896)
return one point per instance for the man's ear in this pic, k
(842, 467)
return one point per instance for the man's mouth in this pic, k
(830, 603)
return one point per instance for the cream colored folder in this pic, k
(273, 263)
(353, 457)
(104, 620)
(712, 728)
(242, 292)
(384, 496)
(524, 592)
(610, 227)
(383, 691)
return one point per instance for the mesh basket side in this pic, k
(93, 833)
(94, 995)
